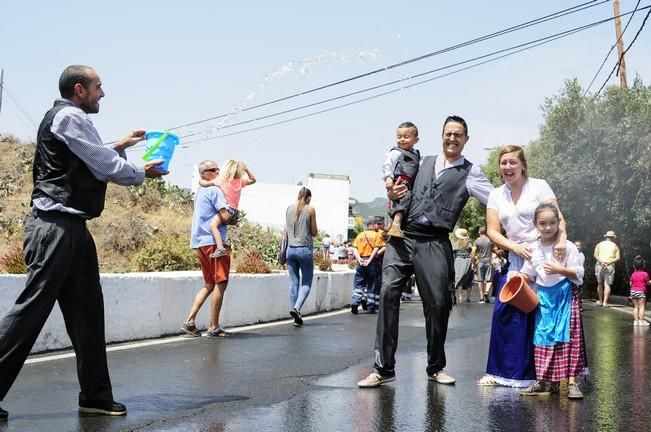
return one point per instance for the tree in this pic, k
(473, 215)
(596, 155)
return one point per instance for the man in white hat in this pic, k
(606, 254)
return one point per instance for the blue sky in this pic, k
(169, 63)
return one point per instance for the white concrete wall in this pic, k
(150, 305)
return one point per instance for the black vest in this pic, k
(59, 174)
(408, 162)
(440, 200)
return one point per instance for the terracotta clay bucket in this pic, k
(519, 294)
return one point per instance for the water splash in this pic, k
(300, 68)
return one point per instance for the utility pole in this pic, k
(620, 46)
(2, 83)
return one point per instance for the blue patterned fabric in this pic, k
(553, 314)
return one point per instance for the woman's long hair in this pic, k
(304, 196)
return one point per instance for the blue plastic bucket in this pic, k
(160, 145)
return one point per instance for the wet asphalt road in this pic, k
(281, 378)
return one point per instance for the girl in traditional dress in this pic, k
(559, 352)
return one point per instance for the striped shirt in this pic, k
(74, 127)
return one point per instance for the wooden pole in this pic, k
(620, 46)
(2, 83)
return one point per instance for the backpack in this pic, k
(282, 251)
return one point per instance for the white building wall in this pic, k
(330, 200)
(266, 203)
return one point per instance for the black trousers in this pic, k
(431, 261)
(62, 266)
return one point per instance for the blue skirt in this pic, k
(510, 354)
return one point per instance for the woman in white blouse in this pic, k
(511, 208)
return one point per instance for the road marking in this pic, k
(173, 339)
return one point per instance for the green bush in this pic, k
(251, 236)
(155, 193)
(13, 261)
(166, 253)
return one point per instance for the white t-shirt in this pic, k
(517, 219)
(542, 254)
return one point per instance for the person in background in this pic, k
(342, 253)
(462, 264)
(208, 203)
(332, 252)
(71, 170)
(325, 244)
(579, 247)
(639, 281)
(606, 254)
(379, 228)
(350, 251)
(400, 167)
(365, 290)
(481, 255)
(559, 350)
(300, 221)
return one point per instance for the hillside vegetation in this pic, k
(142, 228)
(133, 217)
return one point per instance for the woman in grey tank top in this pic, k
(300, 221)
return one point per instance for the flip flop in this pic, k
(222, 333)
(219, 333)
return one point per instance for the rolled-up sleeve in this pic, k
(388, 164)
(73, 126)
(478, 185)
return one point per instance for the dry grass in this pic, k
(131, 216)
(15, 189)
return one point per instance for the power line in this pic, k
(625, 51)
(524, 46)
(611, 49)
(521, 47)
(24, 114)
(552, 16)
(399, 81)
(534, 43)
(526, 24)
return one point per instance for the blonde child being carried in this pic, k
(231, 181)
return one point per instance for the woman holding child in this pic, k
(511, 208)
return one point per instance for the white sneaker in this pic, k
(598, 303)
(635, 322)
(375, 380)
(441, 378)
(643, 323)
